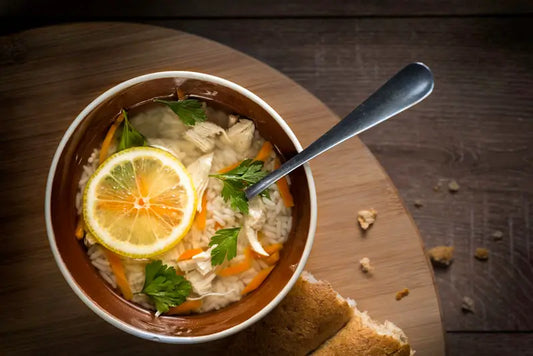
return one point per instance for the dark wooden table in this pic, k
(476, 128)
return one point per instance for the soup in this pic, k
(177, 236)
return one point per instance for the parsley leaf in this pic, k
(234, 193)
(164, 286)
(130, 136)
(248, 172)
(226, 241)
(235, 181)
(189, 111)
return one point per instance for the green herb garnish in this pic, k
(234, 193)
(226, 241)
(130, 136)
(164, 286)
(235, 181)
(189, 111)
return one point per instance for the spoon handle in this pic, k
(408, 87)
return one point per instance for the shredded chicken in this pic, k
(256, 214)
(200, 284)
(212, 294)
(200, 262)
(241, 134)
(254, 222)
(251, 235)
(177, 148)
(202, 135)
(199, 171)
(203, 261)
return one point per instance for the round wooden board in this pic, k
(50, 74)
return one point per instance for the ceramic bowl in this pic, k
(87, 132)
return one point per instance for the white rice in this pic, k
(163, 129)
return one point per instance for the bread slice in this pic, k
(363, 336)
(311, 313)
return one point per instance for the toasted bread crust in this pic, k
(357, 339)
(311, 313)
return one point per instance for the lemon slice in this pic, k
(140, 202)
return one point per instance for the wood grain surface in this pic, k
(477, 128)
(49, 75)
(256, 8)
(489, 343)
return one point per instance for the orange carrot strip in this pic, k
(270, 249)
(79, 229)
(264, 152)
(109, 137)
(257, 280)
(272, 259)
(185, 307)
(120, 275)
(238, 267)
(284, 190)
(234, 269)
(181, 94)
(217, 226)
(229, 168)
(201, 217)
(188, 254)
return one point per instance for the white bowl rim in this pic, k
(109, 317)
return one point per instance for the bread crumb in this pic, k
(365, 265)
(436, 187)
(481, 254)
(468, 305)
(497, 235)
(453, 186)
(418, 203)
(366, 218)
(441, 255)
(402, 294)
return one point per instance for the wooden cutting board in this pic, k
(48, 75)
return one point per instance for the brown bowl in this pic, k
(87, 132)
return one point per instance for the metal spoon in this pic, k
(408, 87)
